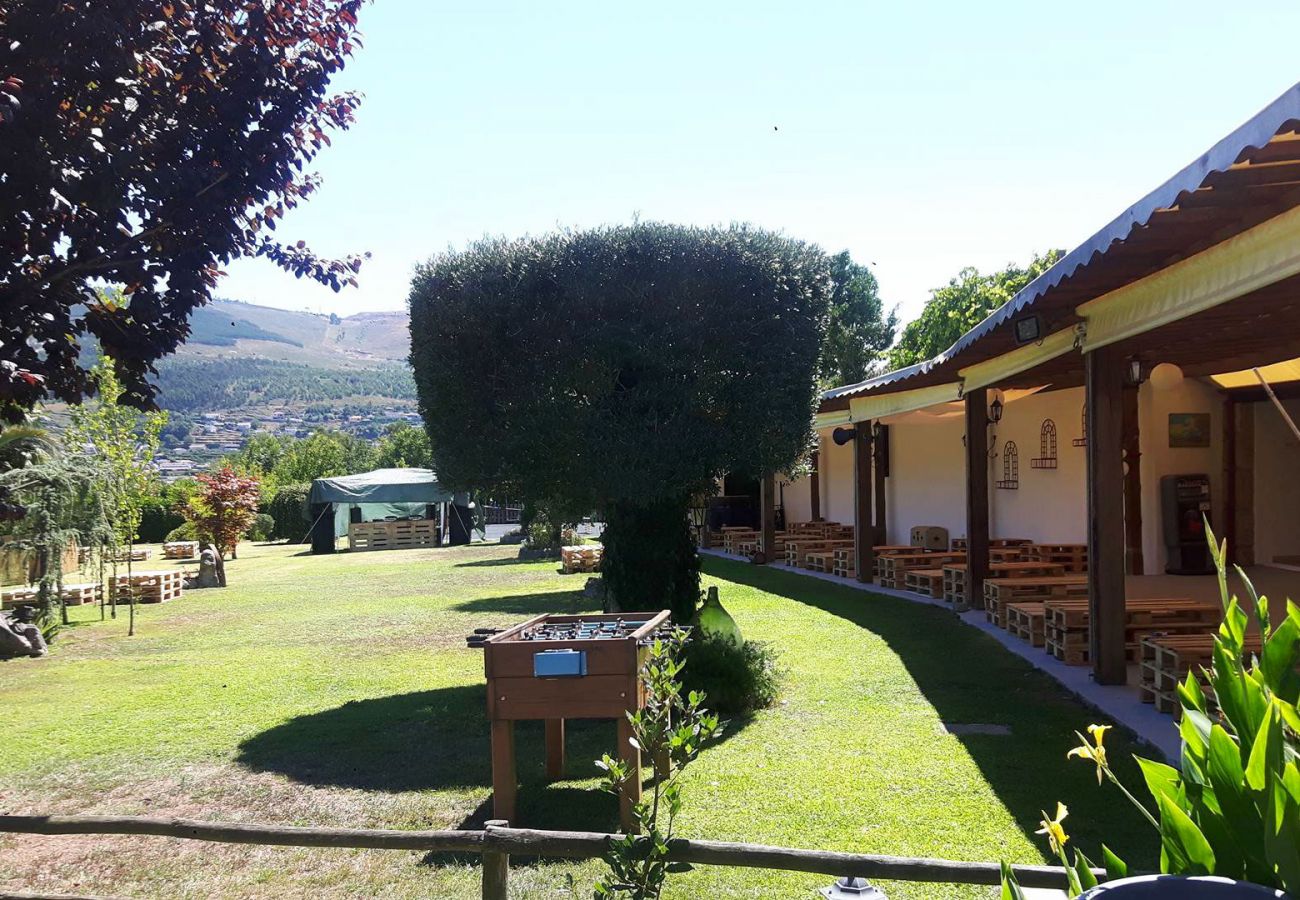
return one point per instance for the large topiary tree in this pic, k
(621, 368)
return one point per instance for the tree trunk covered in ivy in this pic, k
(650, 561)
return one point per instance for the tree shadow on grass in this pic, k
(968, 677)
(564, 602)
(500, 561)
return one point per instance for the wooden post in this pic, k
(1135, 564)
(555, 749)
(768, 519)
(863, 532)
(880, 450)
(631, 792)
(496, 865)
(815, 486)
(1103, 386)
(977, 498)
(505, 785)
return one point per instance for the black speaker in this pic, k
(842, 436)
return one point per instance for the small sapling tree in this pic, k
(623, 369)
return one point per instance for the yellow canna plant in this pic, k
(1233, 809)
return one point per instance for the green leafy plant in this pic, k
(1234, 809)
(738, 678)
(670, 730)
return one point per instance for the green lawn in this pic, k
(338, 691)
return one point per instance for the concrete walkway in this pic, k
(1120, 704)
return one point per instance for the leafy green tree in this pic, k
(323, 454)
(261, 453)
(621, 368)
(858, 332)
(404, 446)
(960, 305)
(125, 440)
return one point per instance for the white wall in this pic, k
(1051, 504)
(927, 478)
(1159, 459)
(837, 481)
(1277, 487)
(796, 496)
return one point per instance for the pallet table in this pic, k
(1073, 556)
(960, 543)
(732, 537)
(1068, 631)
(820, 561)
(797, 549)
(135, 554)
(555, 667)
(844, 562)
(147, 587)
(581, 558)
(1166, 659)
(998, 592)
(71, 595)
(891, 569)
(180, 549)
(954, 574)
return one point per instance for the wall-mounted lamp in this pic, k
(1135, 372)
(995, 410)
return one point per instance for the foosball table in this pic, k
(557, 667)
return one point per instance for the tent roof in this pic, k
(381, 486)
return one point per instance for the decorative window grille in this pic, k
(1010, 467)
(1046, 458)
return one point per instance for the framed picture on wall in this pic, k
(1189, 429)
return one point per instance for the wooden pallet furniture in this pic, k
(403, 534)
(892, 569)
(135, 554)
(820, 561)
(1166, 659)
(581, 558)
(820, 553)
(1027, 621)
(1073, 556)
(71, 595)
(180, 549)
(954, 574)
(998, 592)
(926, 582)
(733, 537)
(147, 587)
(797, 549)
(960, 543)
(1068, 624)
(845, 562)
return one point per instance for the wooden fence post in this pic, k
(496, 864)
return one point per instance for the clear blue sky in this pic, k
(922, 137)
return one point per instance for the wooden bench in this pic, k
(1073, 556)
(927, 582)
(845, 562)
(954, 575)
(998, 592)
(1166, 660)
(891, 569)
(581, 558)
(147, 587)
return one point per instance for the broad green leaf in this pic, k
(1190, 693)
(1182, 842)
(1232, 631)
(1265, 753)
(1278, 660)
(1115, 867)
(1083, 870)
(1261, 610)
(1010, 887)
(1230, 691)
(1282, 835)
(1161, 779)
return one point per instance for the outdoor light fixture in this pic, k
(842, 436)
(1028, 330)
(995, 410)
(1135, 371)
(1166, 376)
(852, 889)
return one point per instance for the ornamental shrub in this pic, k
(738, 678)
(288, 512)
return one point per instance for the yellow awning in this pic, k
(1246, 262)
(994, 371)
(1274, 374)
(877, 406)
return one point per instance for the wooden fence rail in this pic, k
(498, 842)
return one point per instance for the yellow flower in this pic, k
(1056, 835)
(1095, 751)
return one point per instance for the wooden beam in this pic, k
(767, 516)
(1103, 386)
(863, 533)
(880, 448)
(977, 497)
(815, 485)
(1136, 565)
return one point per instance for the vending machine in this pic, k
(1185, 507)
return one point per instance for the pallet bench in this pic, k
(927, 582)
(960, 543)
(1068, 624)
(844, 562)
(135, 554)
(954, 575)
(1027, 621)
(147, 587)
(71, 595)
(402, 534)
(998, 592)
(581, 558)
(797, 549)
(180, 549)
(1073, 556)
(1166, 660)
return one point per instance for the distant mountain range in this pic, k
(243, 356)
